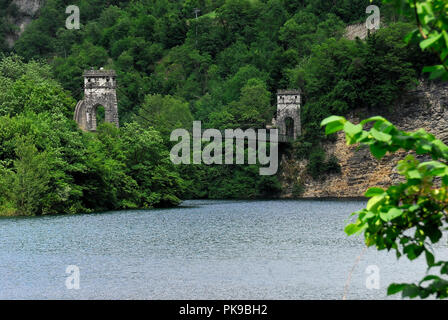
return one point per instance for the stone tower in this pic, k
(99, 90)
(288, 114)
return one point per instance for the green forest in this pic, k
(222, 67)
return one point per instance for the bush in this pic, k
(298, 188)
(318, 166)
(332, 165)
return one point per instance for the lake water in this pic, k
(202, 250)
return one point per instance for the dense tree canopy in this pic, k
(48, 165)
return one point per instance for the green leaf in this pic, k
(376, 118)
(410, 36)
(444, 54)
(333, 127)
(413, 251)
(350, 229)
(410, 291)
(429, 258)
(445, 36)
(436, 71)
(394, 288)
(436, 168)
(428, 278)
(444, 268)
(380, 136)
(352, 129)
(391, 214)
(373, 192)
(353, 228)
(423, 147)
(364, 137)
(332, 119)
(377, 150)
(433, 164)
(368, 215)
(430, 41)
(414, 174)
(439, 144)
(434, 234)
(374, 202)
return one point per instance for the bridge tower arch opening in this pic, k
(99, 92)
(289, 127)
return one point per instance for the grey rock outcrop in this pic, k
(28, 9)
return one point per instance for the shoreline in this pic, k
(336, 199)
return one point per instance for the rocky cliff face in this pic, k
(28, 9)
(359, 30)
(356, 31)
(425, 107)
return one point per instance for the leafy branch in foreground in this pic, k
(410, 216)
(432, 24)
(407, 217)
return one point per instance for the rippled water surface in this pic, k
(203, 250)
